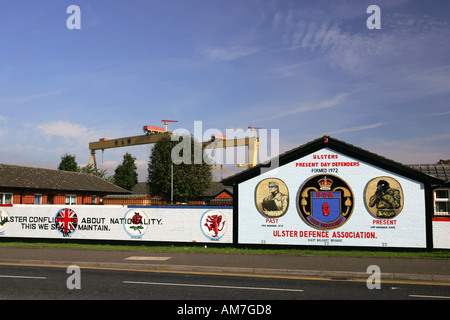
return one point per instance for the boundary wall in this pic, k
(441, 233)
(138, 223)
(91, 222)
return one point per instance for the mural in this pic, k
(272, 198)
(135, 223)
(214, 224)
(174, 224)
(339, 201)
(4, 220)
(384, 197)
(66, 221)
(325, 202)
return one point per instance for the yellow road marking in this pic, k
(231, 274)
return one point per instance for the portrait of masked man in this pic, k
(386, 200)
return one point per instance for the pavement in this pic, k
(271, 265)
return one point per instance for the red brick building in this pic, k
(216, 195)
(29, 185)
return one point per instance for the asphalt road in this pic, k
(334, 267)
(43, 274)
(59, 283)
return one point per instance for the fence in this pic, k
(148, 201)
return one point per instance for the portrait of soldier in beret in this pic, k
(272, 198)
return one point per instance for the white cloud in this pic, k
(142, 170)
(63, 129)
(434, 114)
(30, 97)
(432, 81)
(110, 167)
(289, 70)
(75, 137)
(358, 128)
(342, 49)
(3, 129)
(229, 54)
(356, 49)
(324, 104)
(75, 140)
(426, 149)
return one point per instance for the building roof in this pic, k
(141, 189)
(19, 177)
(438, 170)
(217, 188)
(338, 146)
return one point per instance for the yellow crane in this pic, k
(105, 143)
(154, 134)
(222, 142)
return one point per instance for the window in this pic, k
(93, 199)
(6, 198)
(71, 199)
(37, 198)
(442, 202)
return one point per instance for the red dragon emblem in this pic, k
(215, 223)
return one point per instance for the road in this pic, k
(60, 283)
(177, 281)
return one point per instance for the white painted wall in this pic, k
(177, 224)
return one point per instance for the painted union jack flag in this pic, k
(66, 221)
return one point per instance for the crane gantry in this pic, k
(153, 134)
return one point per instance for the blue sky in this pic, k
(307, 68)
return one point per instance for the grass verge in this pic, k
(231, 250)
